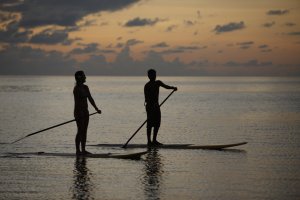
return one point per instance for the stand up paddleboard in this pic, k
(133, 156)
(174, 146)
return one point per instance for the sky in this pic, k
(128, 37)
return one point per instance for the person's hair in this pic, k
(151, 74)
(78, 76)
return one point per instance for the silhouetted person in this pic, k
(151, 91)
(81, 95)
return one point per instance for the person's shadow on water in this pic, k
(82, 185)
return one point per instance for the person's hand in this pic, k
(175, 88)
(99, 111)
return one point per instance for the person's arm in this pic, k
(91, 100)
(167, 86)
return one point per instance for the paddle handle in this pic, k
(125, 145)
(49, 128)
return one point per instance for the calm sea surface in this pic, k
(265, 112)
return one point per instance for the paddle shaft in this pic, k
(125, 145)
(48, 128)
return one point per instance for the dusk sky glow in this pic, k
(126, 37)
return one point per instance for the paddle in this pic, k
(125, 145)
(48, 129)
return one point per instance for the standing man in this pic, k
(151, 91)
(81, 95)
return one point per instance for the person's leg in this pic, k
(84, 134)
(149, 135)
(78, 136)
(155, 132)
(149, 111)
(156, 126)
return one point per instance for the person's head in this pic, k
(80, 77)
(152, 74)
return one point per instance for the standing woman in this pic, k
(81, 95)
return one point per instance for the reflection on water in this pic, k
(152, 179)
(82, 185)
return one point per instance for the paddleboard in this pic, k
(133, 156)
(174, 146)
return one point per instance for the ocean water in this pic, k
(263, 111)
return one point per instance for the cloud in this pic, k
(232, 26)
(268, 24)
(277, 12)
(26, 60)
(250, 63)
(160, 45)
(124, 64)
(245, 45)
(50, 37)
(90, 49)
(263, 46)
(141, 22)
(7, 17)
(290, 24)
(171, 28)
(294, 33)
(132, 42)
(182, 49)
(96, 65)
(12, 34)
(92, 23)
(172, 51)
(119, 45)
(64, 13)
(266, 50)
(189, 22)
(70, 41)
(72, 28)
(191, 47)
